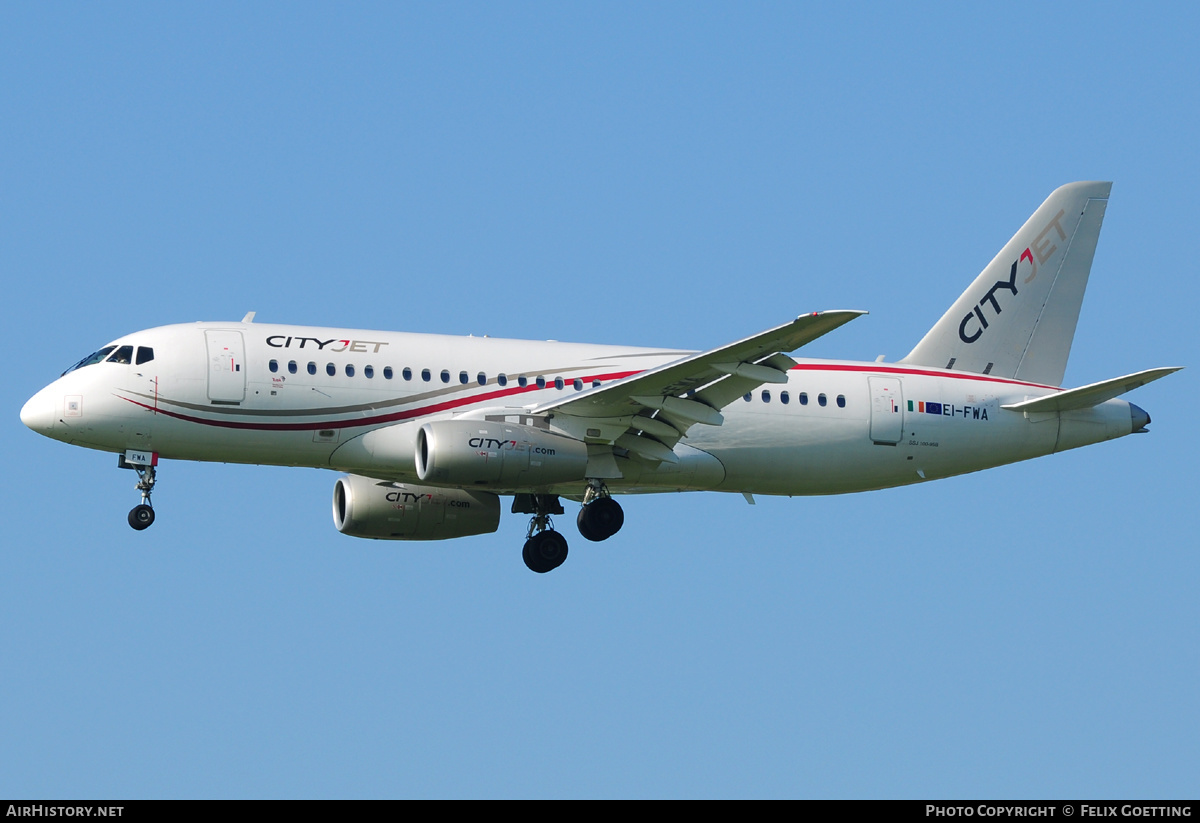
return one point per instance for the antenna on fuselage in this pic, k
(249, 318)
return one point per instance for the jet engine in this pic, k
(378, 509)
(497, 455)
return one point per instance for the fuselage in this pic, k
(431, 430)
(310, 396)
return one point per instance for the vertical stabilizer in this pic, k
(1018, 318)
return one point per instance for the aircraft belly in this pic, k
(777, 454)
(696, 470)
(828, 467)
(290, 448)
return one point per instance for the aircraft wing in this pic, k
(648, 412)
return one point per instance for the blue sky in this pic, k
(656, 174)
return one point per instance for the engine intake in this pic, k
(378, 509)
(497, 455)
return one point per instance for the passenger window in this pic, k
(144, 354)
(406, 373)
(747, 397)
(368, 372)
(291, 367)
(766, 396)
(803, 398)
(558, 383)
(541, 382)
(463, 378)
(821, 401)
(445, 375)
(350, 370)
(481, 378)
(578, 384)
(330, 369)
(387, 373)
(522, 381)
(426, 375)
(312, 367)
(501, 380)
(784, 398)
(273, 366)
(841, 401)
(123, 355)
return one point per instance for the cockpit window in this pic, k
(122, 355)
(94, 357)
(144, 354)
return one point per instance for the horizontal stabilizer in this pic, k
(1085, 397)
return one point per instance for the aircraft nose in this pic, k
(38, 412)
(1140, 419)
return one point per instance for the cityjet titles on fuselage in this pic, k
(284, 341)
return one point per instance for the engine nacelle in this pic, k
(498, 455)
(365, 507)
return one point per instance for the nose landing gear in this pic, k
(141, 516)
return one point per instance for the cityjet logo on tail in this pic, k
(1035, 254)
(283, 341)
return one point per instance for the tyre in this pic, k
(141, 516)
(545, 551)
(603, 518)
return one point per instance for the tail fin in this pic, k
(1018, 318)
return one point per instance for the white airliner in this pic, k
(431, 429)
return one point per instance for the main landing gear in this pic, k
(601, 516)
(545, 549)
(141, 516)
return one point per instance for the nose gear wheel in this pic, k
(141, 516)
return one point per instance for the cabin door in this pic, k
(226, 366)
(887, 410)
